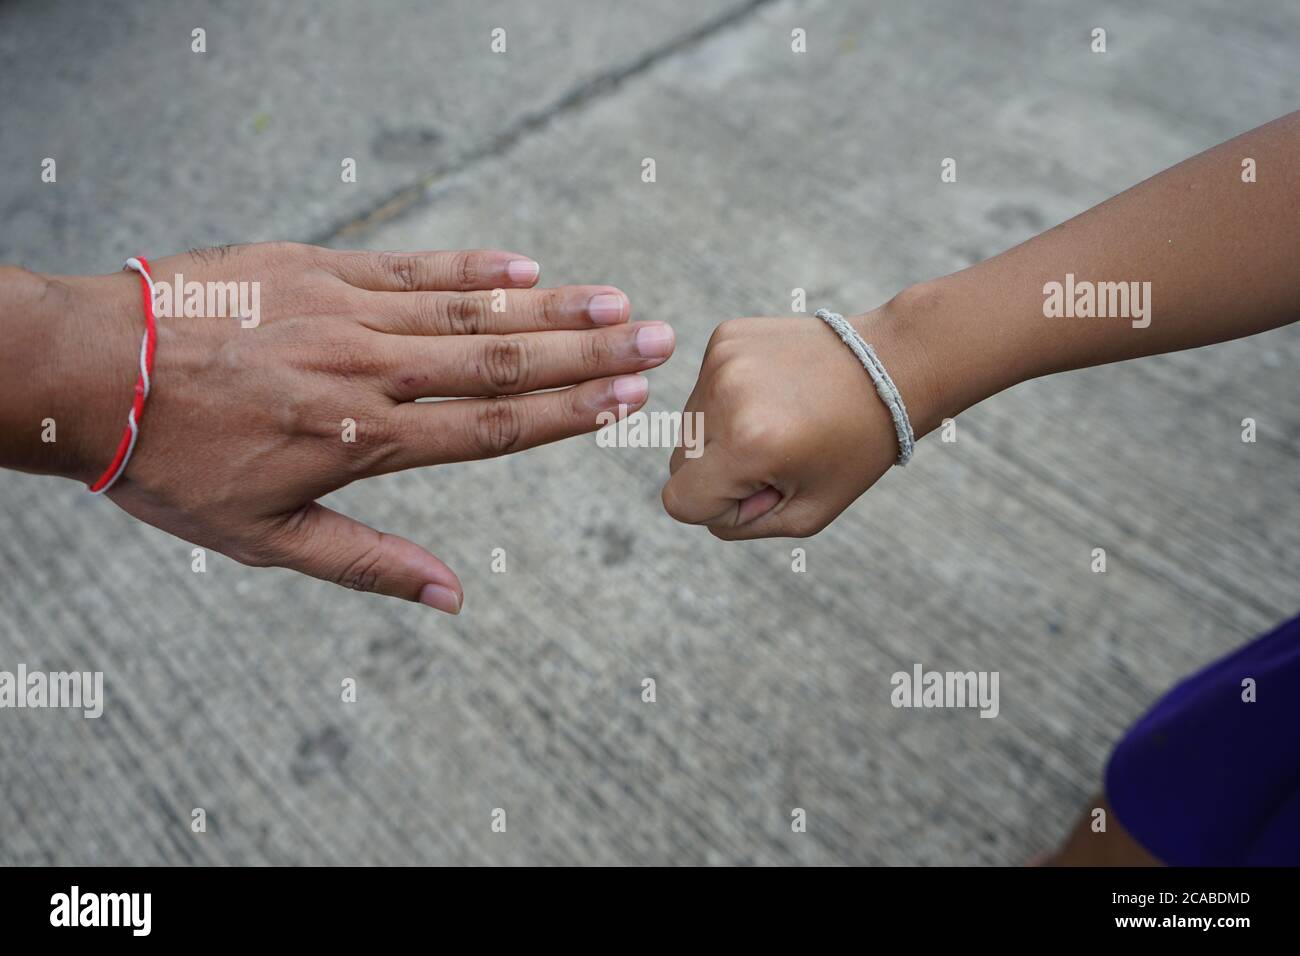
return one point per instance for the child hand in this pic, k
(793, 428)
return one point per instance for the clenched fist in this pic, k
(794, 430)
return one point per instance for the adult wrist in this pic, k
(70, 373)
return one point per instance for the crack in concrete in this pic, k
(410, 196)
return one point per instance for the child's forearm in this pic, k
(1199, 254)
(1221, 256)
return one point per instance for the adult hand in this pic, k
(247, 426)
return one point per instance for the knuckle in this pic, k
(730, 377)
(344, 357)
(463, 315)
(711, 346)
(376, 439)
(423, 314)
(575, 410)
(400, 269)
(337, 358)
(362, 572)
(295, 416)
(724, 351)
(504, 363)
(498, 428)
(295, 250)
(465, 269)
(754, 433)
(551, 308)
(726, 331)
(594, 353)
(280, 249)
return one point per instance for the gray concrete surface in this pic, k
(774, 171)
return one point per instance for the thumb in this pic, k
(334, 547)
(718, 488)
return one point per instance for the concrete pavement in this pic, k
(774, 171)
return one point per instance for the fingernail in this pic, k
(522, 270)
(437, 596)
(606, 308)
(654, 340)
(631, 389)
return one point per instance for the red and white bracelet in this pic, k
(147, 343)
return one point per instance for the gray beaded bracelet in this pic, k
(885, 386)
